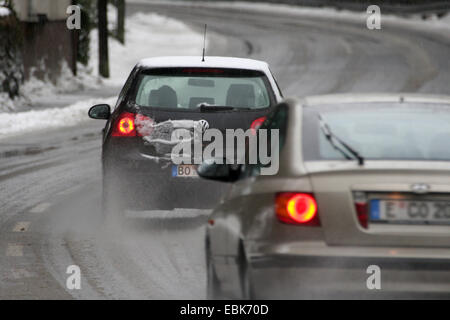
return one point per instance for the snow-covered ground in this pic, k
(147, 35)
(46, 92)
(4, 12)
(23, 122)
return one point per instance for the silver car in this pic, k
(359, 208)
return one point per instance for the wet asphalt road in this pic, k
(50, 182)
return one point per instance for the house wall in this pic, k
(43, 55)
(48, 44)
(54, 9)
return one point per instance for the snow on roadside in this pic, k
(66, 83)
(22, 122)
(4, 12)
(440, 23)
(6, 104)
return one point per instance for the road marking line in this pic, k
(41, 207)
(14, 250)
(21, 226)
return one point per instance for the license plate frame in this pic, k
(184, 171)
(409, 211)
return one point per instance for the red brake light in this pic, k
(362, 208)
(130, 125)
(256, 124)
(297, 208)
(124, 125)
(362, 212)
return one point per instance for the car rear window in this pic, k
(189, 88)
(379, 131)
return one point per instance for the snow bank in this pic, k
(6, 104)
(35, 88)
(442, 23)
(22, 122)
(4, 12)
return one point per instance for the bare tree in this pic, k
(121, 20)
(103, 66)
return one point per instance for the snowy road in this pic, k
(50, 182)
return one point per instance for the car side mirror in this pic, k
(211, 170)
(100, 111)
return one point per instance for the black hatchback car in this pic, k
(161, 95)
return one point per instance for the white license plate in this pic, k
(184, 171)
(410, 211)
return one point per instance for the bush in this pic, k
(11, 64)
(88, 21)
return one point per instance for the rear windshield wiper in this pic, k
(212, 108)
(331, 137)
(208, 107)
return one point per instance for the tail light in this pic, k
(131, 125)
(124, 125)
(256, 124)
(362, 209)
(297, 208)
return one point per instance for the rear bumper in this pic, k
(146, 184)
(321, 271)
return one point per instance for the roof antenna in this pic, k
(204, 44)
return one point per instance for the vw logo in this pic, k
(420, 188)
(204, 124)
